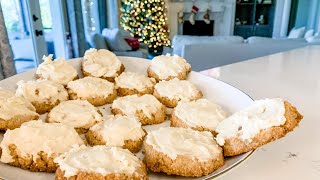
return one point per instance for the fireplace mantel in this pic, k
(222, 12)
(217, 17)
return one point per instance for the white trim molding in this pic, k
(281, 20)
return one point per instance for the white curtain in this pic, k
(113, 10)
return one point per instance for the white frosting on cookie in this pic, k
(101, 63)
(177, 89)
(12, 106)
(36, 136)
(130, 104)
(133, 80)
(115, 130)
(166, 65)
(247, 123)
(59, 70)
(200, 113)
(98, 159)
(91, 87)
(42, 91)
(75, 113)
(185, 142)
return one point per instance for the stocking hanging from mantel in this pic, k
(194, 11)
(206, 17)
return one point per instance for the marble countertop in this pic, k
(295, 76)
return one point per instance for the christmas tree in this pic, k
(146, 20)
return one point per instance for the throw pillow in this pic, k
(97, 41)
(115, 40)
(125, 34)
(133, 42)
(296, 33)
(309, 33)
(314, 39)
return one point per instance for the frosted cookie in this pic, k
(166, 67)
(100, 162)
(43, 94)
(146, 108)
(95, 90)
(260, 123)
(200, 115)
(15, 110)
(120, 131)
(59, 70)
(171, 92)
(79, 114)
(182, 152)
(129, 83)
(101, 63)
(35, 144)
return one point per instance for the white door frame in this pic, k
(36, 30)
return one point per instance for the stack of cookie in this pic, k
(201, 133)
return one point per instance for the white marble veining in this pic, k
(295, 76)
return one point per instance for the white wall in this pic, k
(173, 8)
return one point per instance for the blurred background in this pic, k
(67, 28)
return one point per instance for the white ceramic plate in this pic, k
(229, 97)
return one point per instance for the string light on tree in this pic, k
(146, 20)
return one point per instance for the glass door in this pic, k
(33, 32)
(18, 28)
